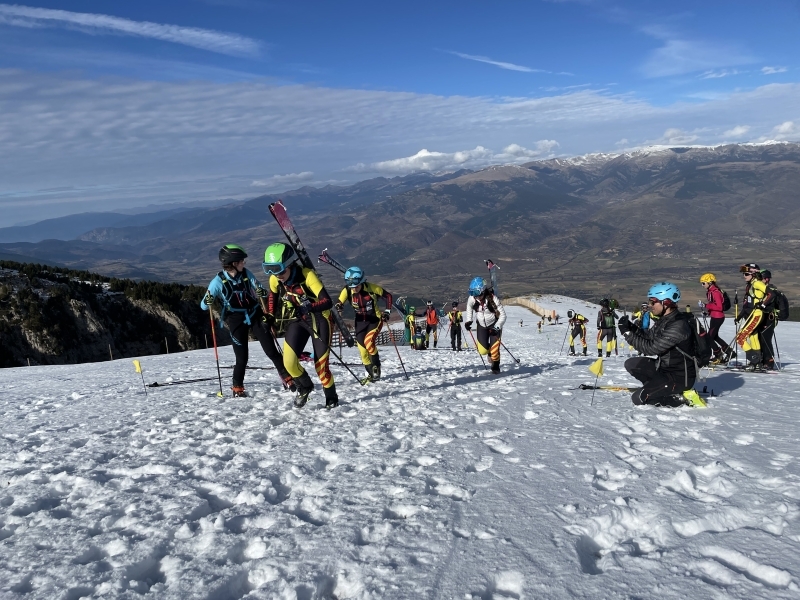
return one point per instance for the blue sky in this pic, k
(113, 104)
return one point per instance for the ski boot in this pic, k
(368, 378)
(331, 397)
(238, 391)
(584, 352)
(435, 342)
(572, 351)
(608, 354)
(288, 382)
(376, 368)
(304, 389)
(496, 367)
(692, 398)
(600, 352)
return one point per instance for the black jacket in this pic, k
(670, 333)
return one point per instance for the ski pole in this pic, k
(777, 351)
(509, 351)
(391, 337)
(565, 339)
(476, 348)
(216, 353)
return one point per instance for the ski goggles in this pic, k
(274, 268)
(353, 281)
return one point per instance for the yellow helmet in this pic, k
(707, 278)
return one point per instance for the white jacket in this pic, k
(479, 313)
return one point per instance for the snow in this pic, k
(454, 484)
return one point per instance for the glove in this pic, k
(261, 292)
(268, 320)
(350, 342)
(208, 298)
(624, 324)
(386, 314)
(339, 306)
(468, 325)
(700, 304)
(304, 307)
(494, 331)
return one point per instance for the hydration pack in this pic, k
(781, 305)
(726, 301)
(701, 342)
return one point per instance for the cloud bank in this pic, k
(205, 39)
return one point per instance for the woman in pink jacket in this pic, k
(713, 306)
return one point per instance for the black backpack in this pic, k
(781, 305)
(701, 342)
(726, 302)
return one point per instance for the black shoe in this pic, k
(496, 367)
(368, 369)
(304, 389)
(376, 368)
(572, 352)
(600, 353)
(434, 343)
(238, 391)
(584, 352)
(331, 397)
(608, 354)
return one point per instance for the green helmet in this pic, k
(231, 253)
(277, 257)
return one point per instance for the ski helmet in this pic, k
(645, 305)
(277, 257)
(749, 268)
(477, 286)
(411, 310)
(231, 253)
(605, 303)
(666, 292)
(570, 314)
(455, 304)
(354, 277)
(707, 278)
(429, 302)
(766, 274)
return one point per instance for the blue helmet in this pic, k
(477, 286)
(665, 291)
(354, 276)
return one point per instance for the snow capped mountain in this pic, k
(453, 484)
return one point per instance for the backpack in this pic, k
(701, 343)
(781, 305)
(608, 320)
(726, 301)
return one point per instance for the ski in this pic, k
(493, 269)
(619, 388)
(179, 382)
(278, 211)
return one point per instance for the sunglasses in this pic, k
(654, 302)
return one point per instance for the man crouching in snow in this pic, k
(667, 380)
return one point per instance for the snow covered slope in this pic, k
(455, 484)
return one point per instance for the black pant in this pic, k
(318, 328)
(455, 337)
(659, 388)
(239, 329)
(767, 349)
(717, 343)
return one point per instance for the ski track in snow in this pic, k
(455, 484)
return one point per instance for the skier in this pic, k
(714, 307)
(418, 341)
(539, 326)
(770, 322)
(642, 316)
(668, 379)
(411, 325)
(363, 297)
(240, 293)
(606, 327)
(431, 324)
(298, 299)
(456, 318)
(484, 308)
(577, 328)
(757, 297)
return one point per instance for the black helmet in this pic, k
(570, 314)
(231, 253)
(605, 303)
(455, 304)
(766, 274)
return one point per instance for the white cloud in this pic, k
(674, 137)
(773, 70)
(712, 74)
(788, 130)
(205, 39)
(679, 56)
(503, 65)
(737, 132)
(284, 180)
(477, 158)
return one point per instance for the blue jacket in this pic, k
(237, 294)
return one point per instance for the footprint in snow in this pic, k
(482, 465)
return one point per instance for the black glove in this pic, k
(339, 306)
(304, 307)
(350, 341)
(208, 298)
(386, 315)
(268, 319)
(494, 331)
(468, 325)
(624, 324)
(261, 292)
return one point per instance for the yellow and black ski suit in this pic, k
(757, 296)
(368, 322)
(456, 318)
(606, 329)
(577, 329)
(301, 307)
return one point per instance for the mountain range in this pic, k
(591, 226)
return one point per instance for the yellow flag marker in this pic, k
(597, 367)
(138, 366)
